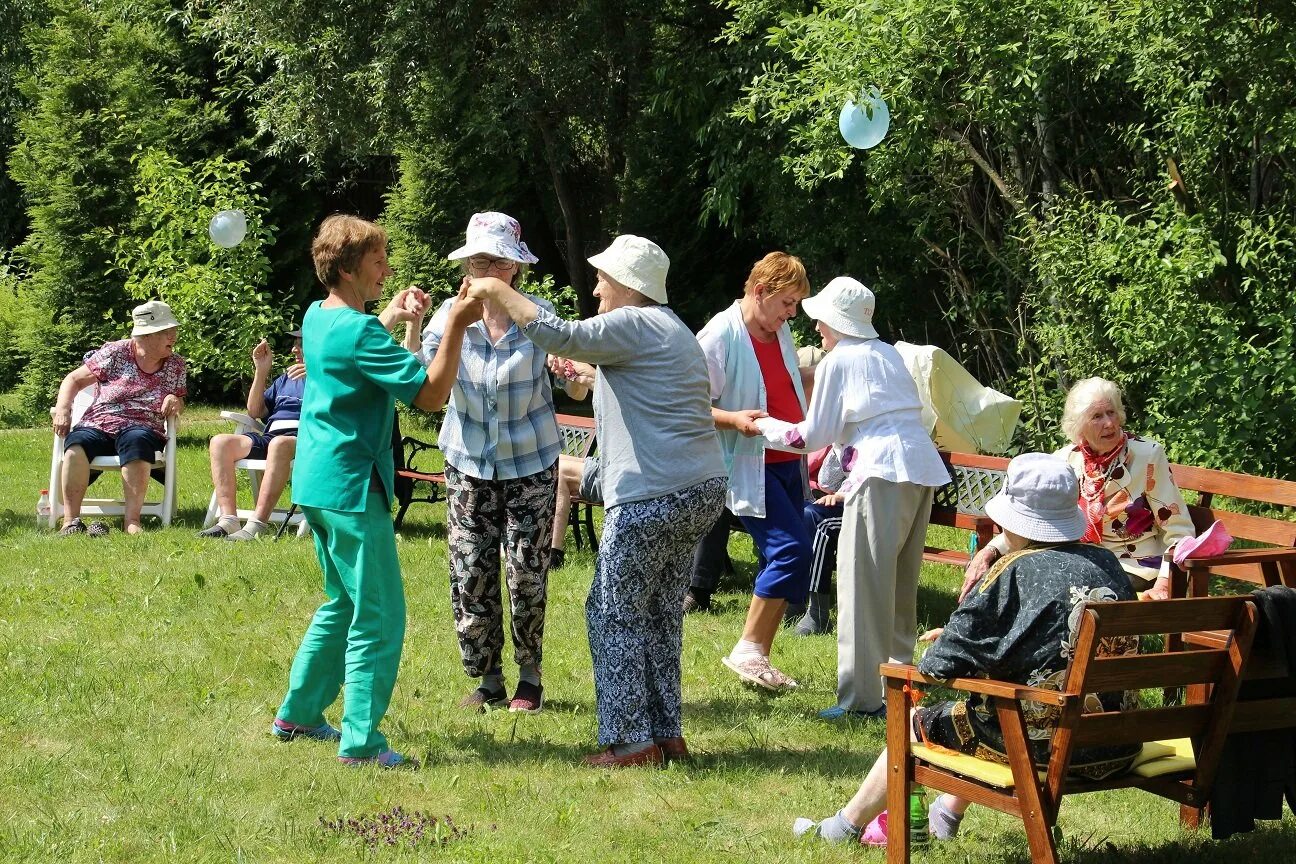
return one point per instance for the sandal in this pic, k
(97, 529)
(76, 526)
(875, 833)
(759, 672)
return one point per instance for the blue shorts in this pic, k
(132, 444)
(261, 441)
(783, 545)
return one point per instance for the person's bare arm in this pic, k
(434, 393)
(73, 383)
(262, 361)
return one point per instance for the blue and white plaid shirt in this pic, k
(499, 424)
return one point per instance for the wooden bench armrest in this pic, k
(1241, 556)
(985, 686)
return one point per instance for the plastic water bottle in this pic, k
(43, 509)
(919, 833)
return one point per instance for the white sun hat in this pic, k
(1039, 500)
(846, 306)
(637, 263)
(152, 317)
(495, 234)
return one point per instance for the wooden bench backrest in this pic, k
(1220, 667)
(1208, 483)
(576, 434)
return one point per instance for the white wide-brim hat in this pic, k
(1039, 500)
(496, 234)
(846, 306)
(152, 317)
(637, 263)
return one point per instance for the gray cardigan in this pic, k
(652, 398)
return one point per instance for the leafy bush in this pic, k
(218, 295)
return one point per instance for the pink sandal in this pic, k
(875, 833)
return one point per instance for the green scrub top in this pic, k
(356, 374)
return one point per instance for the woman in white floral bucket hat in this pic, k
(501, 446)
(662, 480)
(866, 402)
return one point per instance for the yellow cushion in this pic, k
(969, 766)
(1155, 759)
(1178, 757)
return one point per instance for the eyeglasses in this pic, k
(483, 264)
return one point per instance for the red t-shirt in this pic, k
(781, 400)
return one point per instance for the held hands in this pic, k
(745, 421)
(572, 370)
(485, 287)
(466, 308)
(172, 405)
(262, 357)
(410, 304)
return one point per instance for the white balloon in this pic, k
(228, 228)
(866, 124)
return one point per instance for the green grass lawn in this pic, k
(140, 677)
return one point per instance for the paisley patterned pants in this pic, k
(482, 515)
(635, 610)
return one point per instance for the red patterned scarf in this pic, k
(1097, 471)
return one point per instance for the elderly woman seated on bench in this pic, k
(1131, 503)
(1016, 626)
(280, 406)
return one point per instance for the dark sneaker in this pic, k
(97, 529)
(696, 602)
(557, 557)
(285, 731)
(484, 699)
(76, 526)
(528, 698)
(215, 532)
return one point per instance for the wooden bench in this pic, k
(961, 504)
(420, 480)
(1183, 771)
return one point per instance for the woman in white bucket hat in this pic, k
(1018, 625)
(501, 445)
(141, 381)
(662, 480)
(866, 402)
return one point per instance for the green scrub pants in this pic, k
(357, 635)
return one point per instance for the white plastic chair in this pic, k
(255, 469)
(164, 510)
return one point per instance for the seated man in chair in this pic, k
(280, 407)
(141, 382)
(1016, 625)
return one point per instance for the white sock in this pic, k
(745, 650)
(229, 522)
(255, 527)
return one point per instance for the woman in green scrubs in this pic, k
(342, 480)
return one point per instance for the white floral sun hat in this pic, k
(1039, 500)
(846, 306)
(496, 234)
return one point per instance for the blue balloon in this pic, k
(866, 124)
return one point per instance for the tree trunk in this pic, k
(573, 238)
